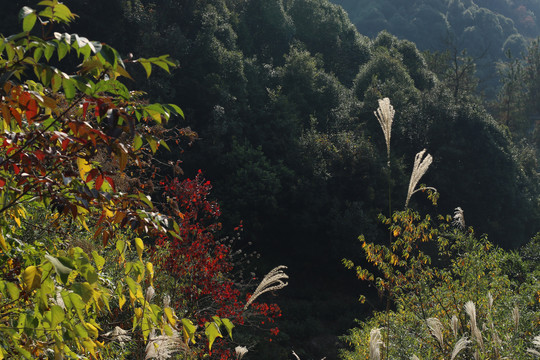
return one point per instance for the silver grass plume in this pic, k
(163, 346)
(536, 344)
(119, 335)
(271, 281)
(435, 327)
(459, 218)
(375, 342)
(150, 292)
(515, 317)
(470, 309)
(421, 165)
(240, 351)
(385, 114)
(460, 345)
(455, 325)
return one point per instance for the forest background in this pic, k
(281, 94)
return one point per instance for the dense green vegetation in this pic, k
(487, 30)
(281, 95)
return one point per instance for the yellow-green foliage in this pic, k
(454, 295)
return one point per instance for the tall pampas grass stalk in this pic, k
(455, 325)
(375, 342)
(461, 344)
(385, 115)
(459, 218)
(435, 327)
(515, 317)
(470, 309)
(271, 281)
(421, 165)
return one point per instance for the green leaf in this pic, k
(61, 270)
(29, 21)
(188, 330)
(21, 322)
(146, 199)
(85, 291)
(63, 49)
(152, 142)
(98, 259)
(212, 332)
(228, 326)
(137, 142)
(62, 12)
(13, 291)
(54, 316)
(109, 55)
(175, 108)
(69, 88)
(38, 53)
(49, 51)
(89, 273)
(147, 67)
(164, 144)
(81, 331)
(121, 247)
(76, 302)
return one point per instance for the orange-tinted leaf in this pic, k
(85, 108)
(111, 182)
(65, 144)
(17, 115)
(99, 182)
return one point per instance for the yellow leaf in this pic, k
(121, 301)
(170, 316)
(92, 330)
(140, 247)
(31, 277)
(150, 269)
(3, 245)
(84, 167)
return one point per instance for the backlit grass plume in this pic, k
(536, 344)
(375, 342)
(385, 114)
(436, 329)
(272, 281)
(161, 347)
(421, 165)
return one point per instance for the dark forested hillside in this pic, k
(282, 95)
(487, 30)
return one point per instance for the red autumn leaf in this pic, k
(40, 155)
(99, 182)
(111, 182)
(85, 108)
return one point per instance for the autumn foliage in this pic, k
(199, 268)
